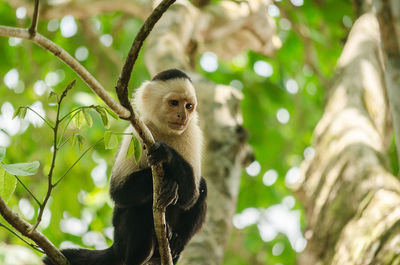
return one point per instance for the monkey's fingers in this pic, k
(176, 244)
(158, 153)
(168, 194)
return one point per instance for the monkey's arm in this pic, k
(190, 222)
(177, 170)
(137, 188)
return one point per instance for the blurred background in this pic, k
(283, 92)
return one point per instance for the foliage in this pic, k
(312, 35)
(84, 199)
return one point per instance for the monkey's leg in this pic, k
(140, 237)
(190, 221)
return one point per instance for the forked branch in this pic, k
(123, 110)
(35, 18)
(141, 128)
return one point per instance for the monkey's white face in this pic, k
(177, 112)
(169, 105)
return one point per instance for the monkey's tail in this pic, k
(80, 256)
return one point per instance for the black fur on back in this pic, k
(170, 74)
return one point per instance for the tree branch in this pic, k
(126, 113)
(141, 128)
(25, 229)
(123, 80)
(35, 17)
(35, 247)
(66, 58)
(50, 185)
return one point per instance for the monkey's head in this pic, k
(168, 101)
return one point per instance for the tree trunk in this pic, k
(388, 14)
(352, 200)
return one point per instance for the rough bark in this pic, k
(388, 14)
(352, 201)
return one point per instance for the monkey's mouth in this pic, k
(177, 125)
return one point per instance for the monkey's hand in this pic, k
(168, 193)
(159, 152)
(176, 244)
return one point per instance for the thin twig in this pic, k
(26, 188)
(66, 126)
(66, 58)
(69, 169)
(123, 80)
(40, 116)
(69, 113)
(35, 247)
(53, 161)
(63, 143)
(35, 18)
(142, 130)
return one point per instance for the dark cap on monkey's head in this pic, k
(170, 74)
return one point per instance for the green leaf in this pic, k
(80, 141)
(53, 95)
(112, 114)
(22, 169)
(103, 115)
(20, 112)
(88, 118)
(131, 149)
(73, 139)
(16, 113)
(110, 140)
(79, 119)
(8, 184)
(138, 148)
(77, 139)
(2, 153)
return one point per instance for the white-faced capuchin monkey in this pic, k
(167, 104)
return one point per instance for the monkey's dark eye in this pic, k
(174, 102)
(189, 106)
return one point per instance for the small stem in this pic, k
(66, 58)
(142, 130)
(35, 247)
(125, 76)
(84, 153)
(53, 161)
(69, 121)
(32, 28)
(26, 188)
(40, 116)
(69, 113)
(63, 143)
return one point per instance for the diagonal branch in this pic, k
(123, 80)
(141, 128)
(125, 111)
(25, 229)
(66, 58)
